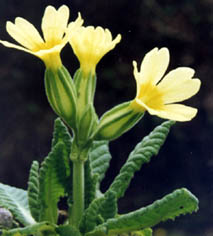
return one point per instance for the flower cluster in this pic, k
(155, 94)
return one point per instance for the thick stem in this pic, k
(78, 192)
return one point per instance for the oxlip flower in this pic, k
(159, 95)
(90, 45)
(56, 33)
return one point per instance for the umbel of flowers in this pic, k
(72, 99)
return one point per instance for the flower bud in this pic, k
(117, 121)
(61, 94)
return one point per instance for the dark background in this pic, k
(186, 160)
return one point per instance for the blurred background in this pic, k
(186, 160)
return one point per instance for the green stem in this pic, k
(78, 192)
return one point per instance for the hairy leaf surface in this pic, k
(100, 210)
(61, 134)
(100, 157)
(43, 228)
(51, 184)
(67, 230)
(179, 202)
(142, 153)
(15, 199)
(33, 190)
(90, 184)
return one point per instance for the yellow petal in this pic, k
(177, 112)
(137, 77)
(91, 44)
(76, 24)
(153, 66)
(11, 45)
(24, 33)
(63, 17)
(54, 23)
(178, 85)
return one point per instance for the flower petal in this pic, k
(54, 23)
(91, 44)
(76, 24)
(153, 66)
(11, 45)
(177, 112)
(178, 85)
(24, 33)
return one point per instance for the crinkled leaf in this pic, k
(144, 232)
(43, 228)
(92, 217)
(67, 230)
(61, 134)
(51, 183)
(15, 199)
(142, 153)
(100, 210)
(179, 202)
(108, 208)
(99, 157)
(90, 184)
(33, 190)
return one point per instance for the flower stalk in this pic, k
(78, 193)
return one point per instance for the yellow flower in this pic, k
(159, 95)
(55, 30)
(90, 45)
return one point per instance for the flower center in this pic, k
(150, 95)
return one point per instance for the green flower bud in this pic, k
(117, 121)
(61, 94)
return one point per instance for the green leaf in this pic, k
(61, 134)
(33, 190)
(90, 181)
(44, 228)
(144, 232)
(100, 210)
(179, 202)
(142, 153)
(67, 230)
(16, 201)
(108, 208)
(92, 217)
(51, 183)
(99, 157)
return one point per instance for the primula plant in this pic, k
(79, 155)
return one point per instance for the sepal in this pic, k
(87, 124)
(85, 87)
(61, 94)
(117, 121)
